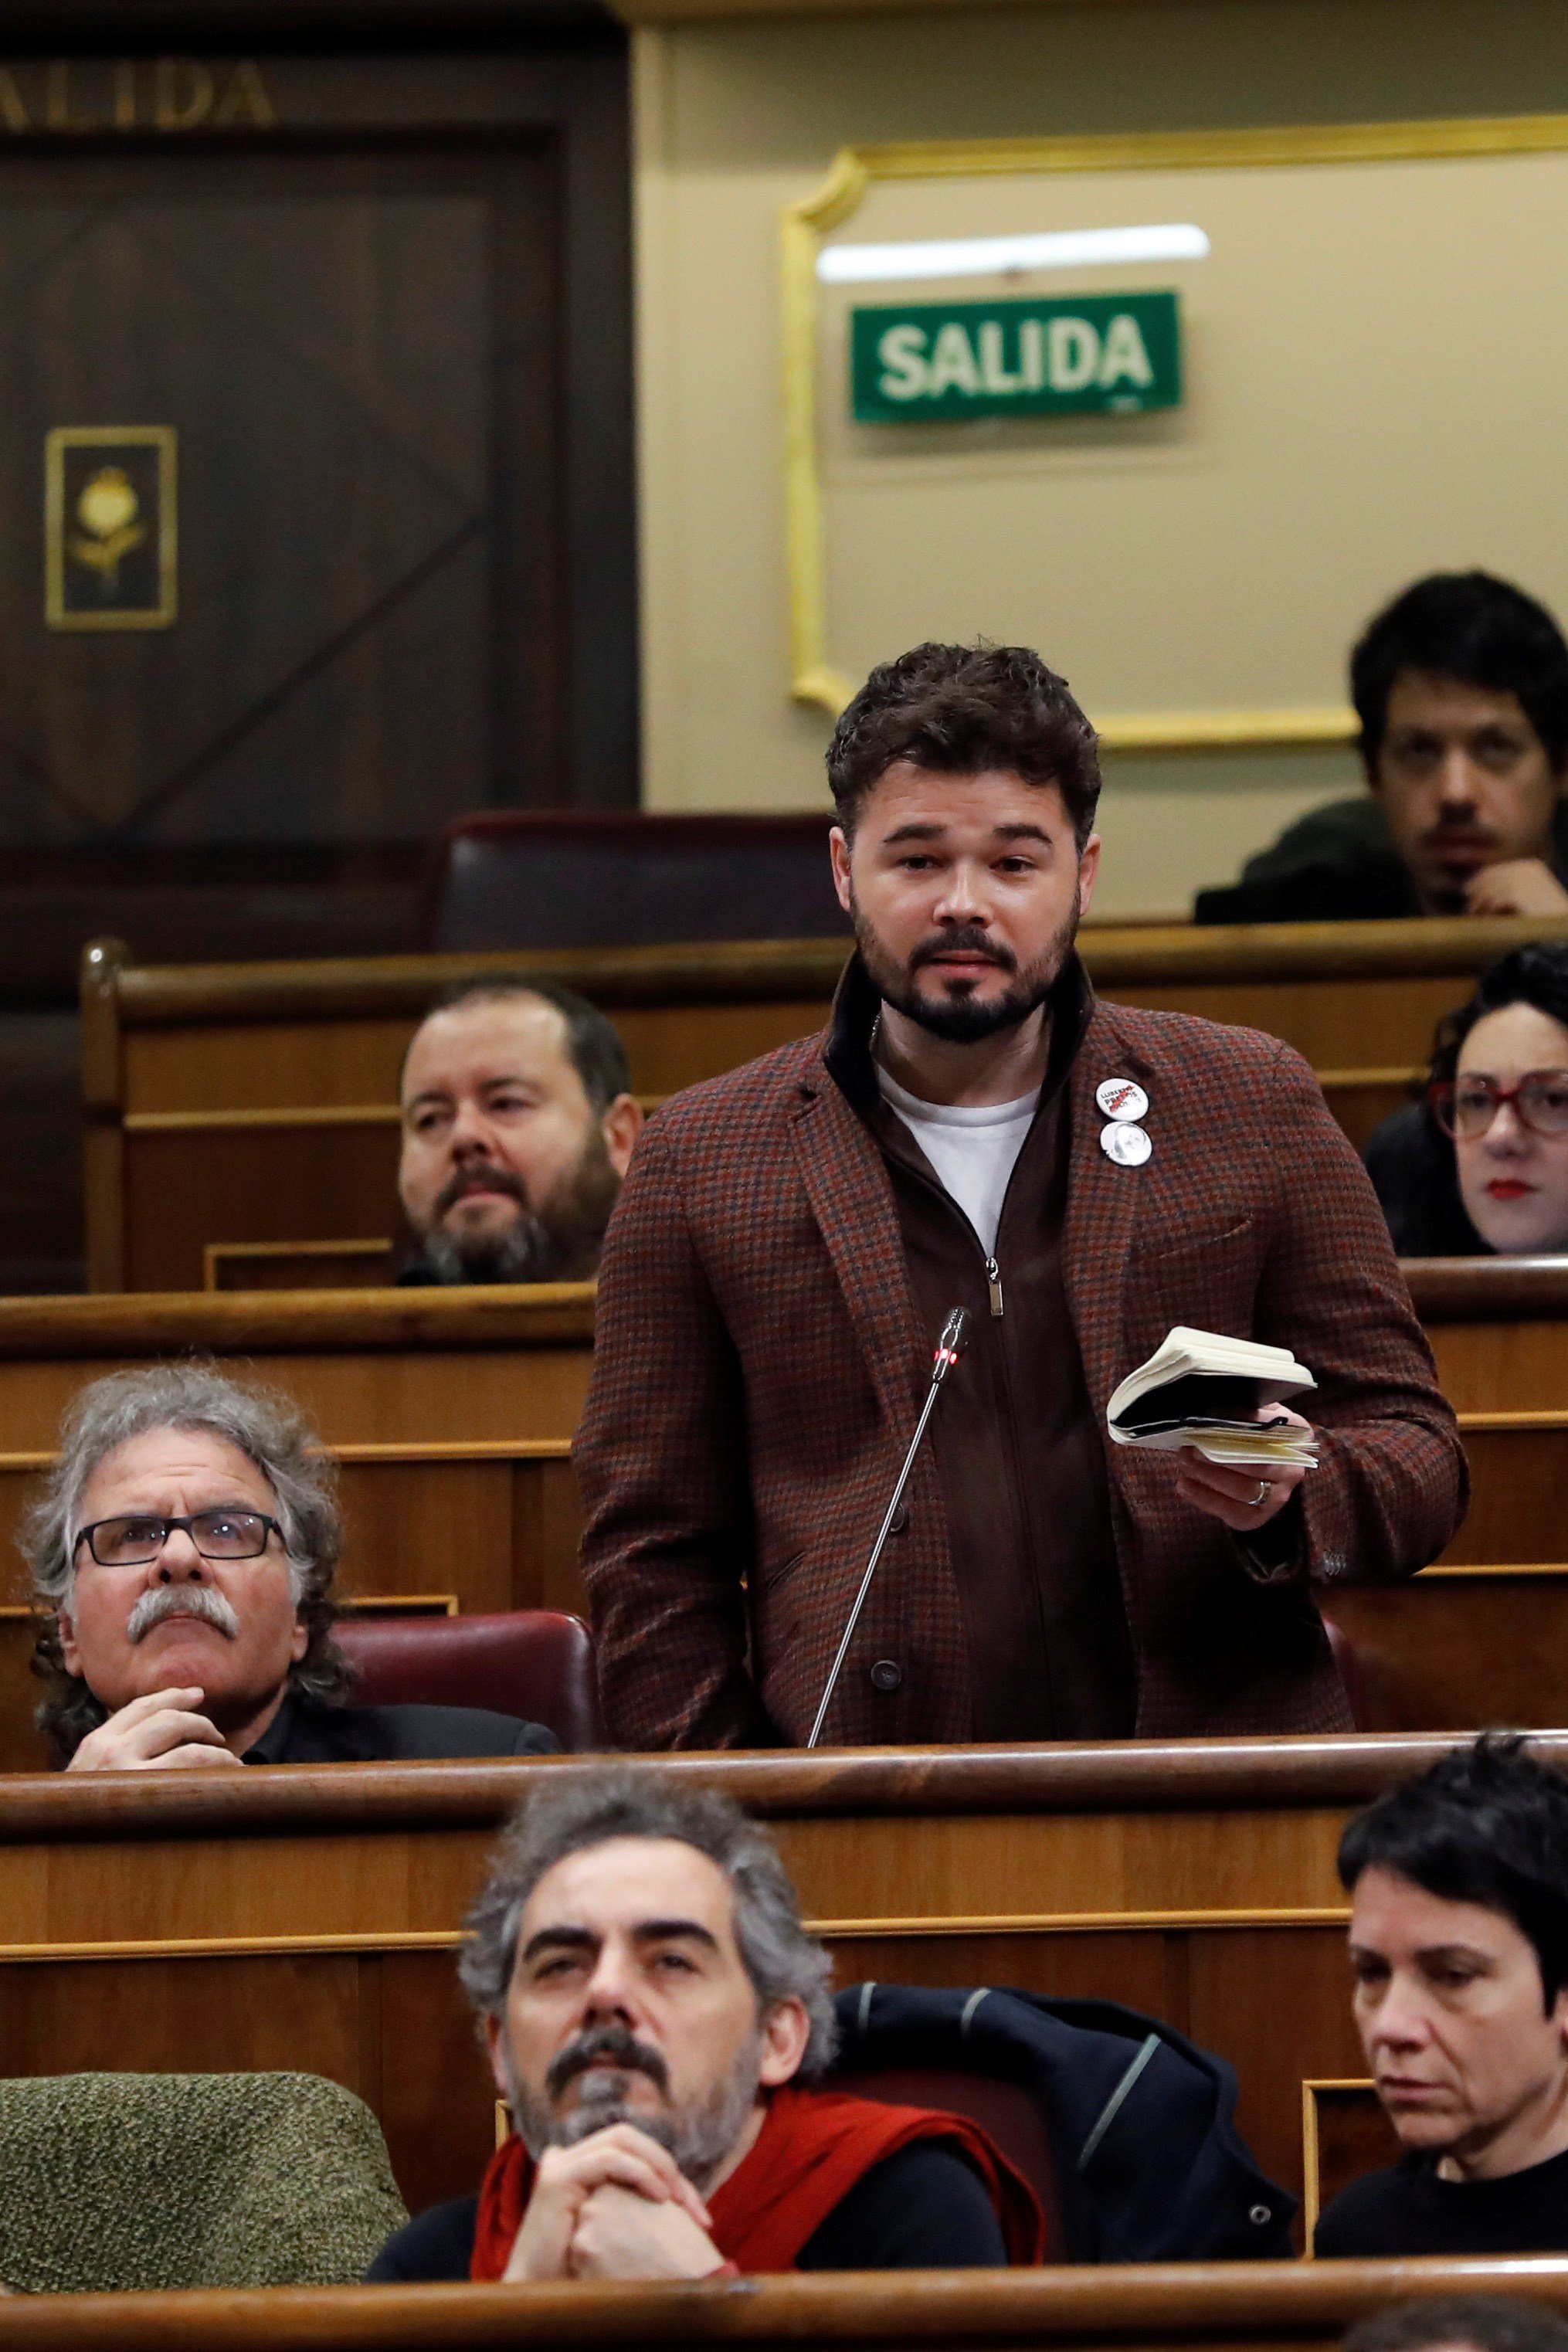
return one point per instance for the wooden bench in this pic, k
(232, 1106)
(296, 1916)
(1196, 2306)
(450, 1412)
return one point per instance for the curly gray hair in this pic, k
(260, 1423)
(578, 1808)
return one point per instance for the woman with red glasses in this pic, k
(1481, 1164)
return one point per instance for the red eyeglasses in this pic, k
(1465, 1108)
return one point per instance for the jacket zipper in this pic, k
(993, 1284)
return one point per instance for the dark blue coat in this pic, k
(1150, 2165)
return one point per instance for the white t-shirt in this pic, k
(973, 1151)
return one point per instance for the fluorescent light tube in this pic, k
(984, 256)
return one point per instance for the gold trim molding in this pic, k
(434, 1940)
(814, 679)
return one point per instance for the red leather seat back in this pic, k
(1005, 2112)
(553, 879)
(533, 1663)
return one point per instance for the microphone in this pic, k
(948, 1348)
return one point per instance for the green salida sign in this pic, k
(1116, 354)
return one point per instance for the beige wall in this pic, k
(733, 120)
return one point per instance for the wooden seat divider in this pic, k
(1198, 2307)
(243, 1104)
(1481, 1636)
(450, 1412)
(299, 1916)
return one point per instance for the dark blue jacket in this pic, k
(1150, 2165)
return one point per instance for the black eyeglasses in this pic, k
(1465, 1108)
(132, 1542)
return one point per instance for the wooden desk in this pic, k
(450, 1411)
(239, 1104)
(306, 1917)
(1200, 2306)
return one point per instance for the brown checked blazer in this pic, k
(759, 1366)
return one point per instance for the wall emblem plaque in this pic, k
(111, 545)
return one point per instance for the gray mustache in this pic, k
(613, 2041)
(182, 1600)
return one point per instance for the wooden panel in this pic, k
(298, 1266)
(1345, 2134)
(1518, 1476)
(184, 1192)
(503, 1364)
(1456, 1651)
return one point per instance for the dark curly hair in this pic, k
(1468, 625)
(260, 1423)
(1487, 1824)
(961, 709)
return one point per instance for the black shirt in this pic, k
(1408, 2210)
(302, 1732)
(923, 2207)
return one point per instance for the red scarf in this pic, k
(813, 2147)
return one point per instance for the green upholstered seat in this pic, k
(123, 2181)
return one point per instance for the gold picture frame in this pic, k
(814, 679)
(159, 610)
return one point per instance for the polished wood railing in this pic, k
(1201, 2306)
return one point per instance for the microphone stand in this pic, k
(949, 1348)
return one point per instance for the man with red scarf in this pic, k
(656, 2018)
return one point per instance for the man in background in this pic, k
(518, 1125)
(1459, 1945)
(1461, 688)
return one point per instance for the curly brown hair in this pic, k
(962, 709)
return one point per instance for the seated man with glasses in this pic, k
(1481, 1164)
(183, 1552)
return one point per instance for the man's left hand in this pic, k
(1516, 885)
(1244, 1499)
(620, 2235)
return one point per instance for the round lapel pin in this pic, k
(1122, 1098)
(1127, 1145)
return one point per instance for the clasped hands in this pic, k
(616, 2205)
(160, 1730)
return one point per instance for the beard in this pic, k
(558, 1241)
(698, 2134)
(958, 1016)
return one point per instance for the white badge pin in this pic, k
(1122, 1098)
(1129, 1146)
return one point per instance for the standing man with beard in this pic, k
(518, 1125)
(975, 1129)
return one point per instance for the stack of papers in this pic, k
(1203, 1389)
